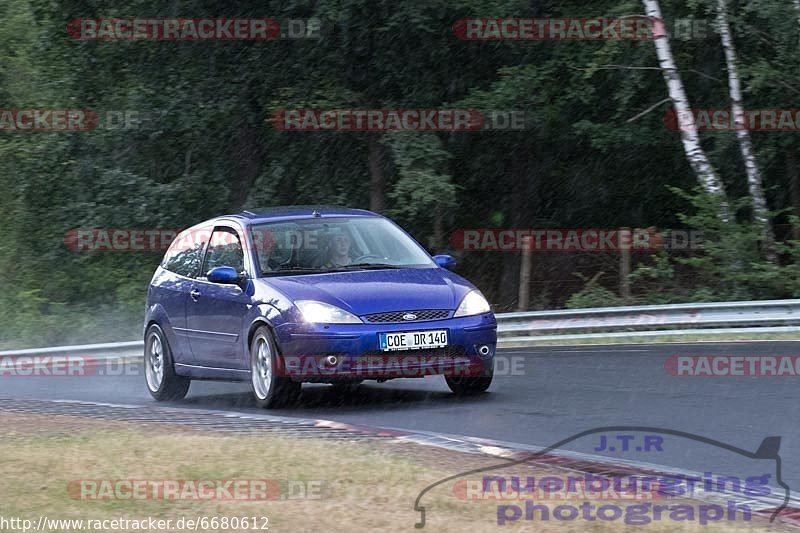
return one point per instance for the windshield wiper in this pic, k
(357, 266)
(361, 266)
(293, 270)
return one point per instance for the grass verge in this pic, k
(358, 486)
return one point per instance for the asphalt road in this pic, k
(541, 396)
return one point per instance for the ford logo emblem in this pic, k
(409, 316)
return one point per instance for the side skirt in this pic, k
(211, 373)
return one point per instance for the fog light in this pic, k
(331, 360)
(484, 351)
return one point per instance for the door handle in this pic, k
(195, 294)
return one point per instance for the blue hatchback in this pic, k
(311, 294)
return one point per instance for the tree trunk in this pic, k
(438, 228)
(695, 154)
(524, 299)
(524, 167)
(793, 171)
(625, 266)
(754, 180)
(377, 194)
(248, 158)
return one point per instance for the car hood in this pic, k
(365, 292)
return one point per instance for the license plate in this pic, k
(413, 340)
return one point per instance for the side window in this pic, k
(225, 249)
(185, 253)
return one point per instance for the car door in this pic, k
(173, 282)
(214, 311)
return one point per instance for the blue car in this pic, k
(311, 294)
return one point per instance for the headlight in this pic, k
(322, 313)
(473, 304)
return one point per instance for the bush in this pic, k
(593, 295)
(729, 266)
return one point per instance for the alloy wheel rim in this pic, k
(262, 369)
(154, 362)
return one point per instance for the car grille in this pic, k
(397, 316)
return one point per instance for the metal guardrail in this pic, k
(108, 349)
(775, 316)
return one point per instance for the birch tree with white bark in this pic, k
(754, 179)
(695, 155)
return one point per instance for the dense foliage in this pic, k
(589, 157)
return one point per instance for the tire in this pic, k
(269, 390)
(469, 386)
(159, 369)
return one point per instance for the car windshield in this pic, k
(334, 244)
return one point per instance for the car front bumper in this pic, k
(319, 352)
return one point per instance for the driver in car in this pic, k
(339, 252)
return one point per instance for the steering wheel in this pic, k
(360, 259)
(276, 261)
(272, 264)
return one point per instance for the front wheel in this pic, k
(466, 386)
(269, 389)
(162, 381)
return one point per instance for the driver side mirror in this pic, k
(445, 261)
(224, 274)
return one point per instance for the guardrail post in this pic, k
(525, 275)
(625, 238)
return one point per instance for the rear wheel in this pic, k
(466, 385)
(269, 389)
(159, 370)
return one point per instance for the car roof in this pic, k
(270, 214)
(285, 213)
